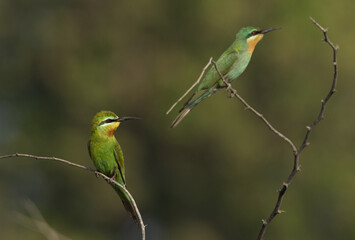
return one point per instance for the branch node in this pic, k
(264, 222)
(285, 184)
(280, 211)
(308, 128)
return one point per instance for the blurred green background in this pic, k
(213, 177)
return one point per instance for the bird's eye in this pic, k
(108, 120)
(253, 33)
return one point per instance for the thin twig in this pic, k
(91, 170)
(248, 107)
(193, 85)
(305, 143)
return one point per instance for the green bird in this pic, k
(106, 153)
(231, 64)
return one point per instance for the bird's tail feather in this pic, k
(187, 102)
(181, 116)
(191, 104)
(127, 203)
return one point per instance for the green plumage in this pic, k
(107, 155)
(231, 64)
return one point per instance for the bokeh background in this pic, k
(213, 177)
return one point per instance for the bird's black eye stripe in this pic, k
(109, 120)
(253, 33)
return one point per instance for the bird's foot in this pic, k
(229, 87)
(113, 178)
(230, 90)
(96, 173)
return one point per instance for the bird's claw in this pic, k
(113, 178)
(230, 89)
(96, 173)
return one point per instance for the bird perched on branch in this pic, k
(231, 64)
(106, 153)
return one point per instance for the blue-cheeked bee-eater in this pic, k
(231, 64)
(106, 153)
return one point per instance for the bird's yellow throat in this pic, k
(252, 41)
(112, 128)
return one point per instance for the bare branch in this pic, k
(296, 151)
(142, 226)
(296, 166)
(193, 85)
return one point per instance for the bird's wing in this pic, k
(119, 160)
(224, 64)
(226, 60)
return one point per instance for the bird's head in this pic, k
(252, 36)
(106, 122)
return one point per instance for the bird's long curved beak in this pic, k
(121, 119)
(268, 30)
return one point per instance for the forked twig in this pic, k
(305, 143)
